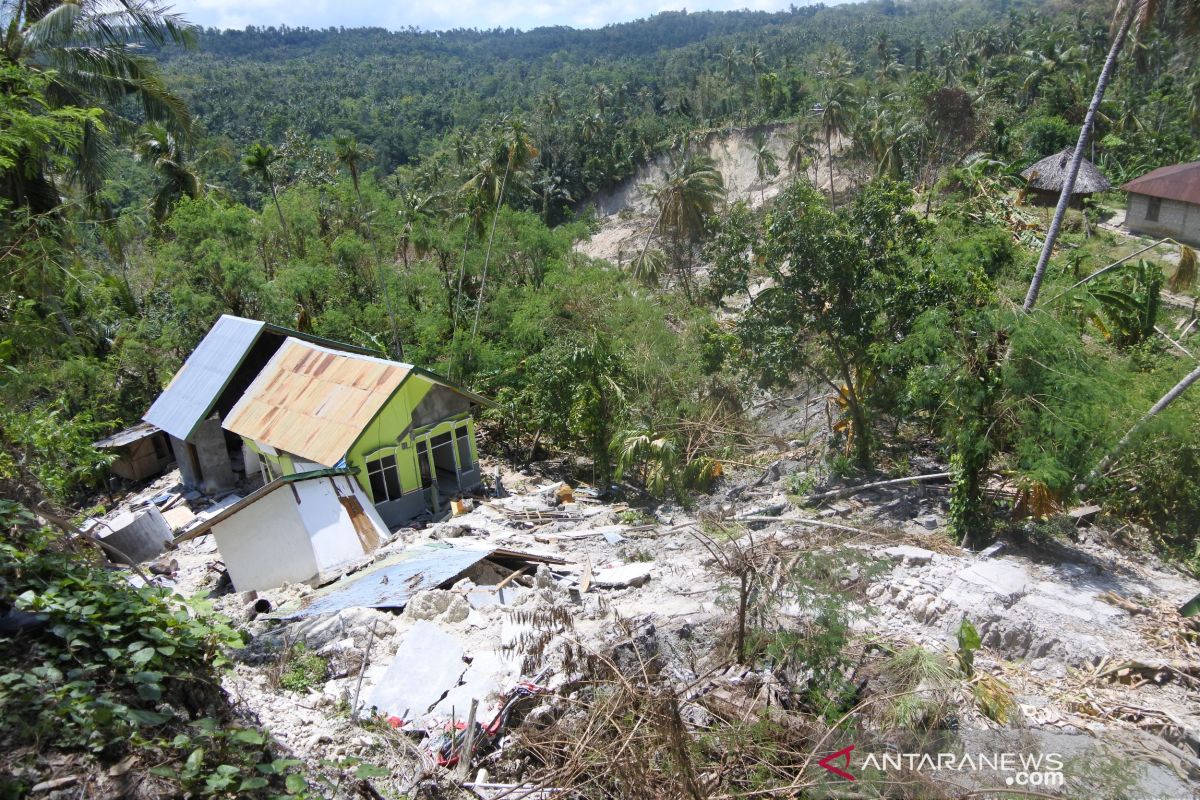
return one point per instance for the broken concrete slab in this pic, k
(909, 555)
(141, 535)
(1083, 515)
(489, 675)
(1008, 581)
(623, 576)
(427, 665)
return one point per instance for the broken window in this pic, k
(384, 478)
(423, 461)
(1152, 209)
(463, 435)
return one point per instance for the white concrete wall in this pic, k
(1175, 219)
(334, 540)
(265, 544)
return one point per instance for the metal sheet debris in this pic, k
(134, 433)
(391, 582)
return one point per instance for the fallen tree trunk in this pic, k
(849, 490)
(1166, 400)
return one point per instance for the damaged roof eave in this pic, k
(252, 498)
(438, 379)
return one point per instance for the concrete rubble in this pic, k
(642, 587)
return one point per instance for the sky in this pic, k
(444, 14)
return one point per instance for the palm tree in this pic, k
(352, 156)
(755, 58)
(920, 57)
(89, 51)
(258, 162)
(163, 150)
(804, 147)
(553, 189)
(515, 148)
(730, 59)
(1185, 20)
(766, 165)
(835, 122)
(1051, 59)
(1167, 399)
(690, 193)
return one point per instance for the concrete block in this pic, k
(428, 664)
(906, 553)
(623, 576)
(141, 534)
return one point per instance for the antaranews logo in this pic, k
(1017, 769)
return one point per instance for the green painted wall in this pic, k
(382, 434)
(389, 423)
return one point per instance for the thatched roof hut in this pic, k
(1045, 178)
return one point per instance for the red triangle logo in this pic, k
(843, 753)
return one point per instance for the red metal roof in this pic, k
(1176, 182)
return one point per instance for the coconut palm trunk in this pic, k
(487, 256)
(829, 151)
(1106, 73)
(1136, 431)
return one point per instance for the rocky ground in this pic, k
(1080, 628)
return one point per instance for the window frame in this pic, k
(377, 469)
(1153, 209)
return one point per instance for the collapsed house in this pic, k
(322, 523)
(191, 409)
(282, 403)
(139, 451)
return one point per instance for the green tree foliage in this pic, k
(89, 54)
(111, 671)
(844, 285)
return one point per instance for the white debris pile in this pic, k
(1044, 614)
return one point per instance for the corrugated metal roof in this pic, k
(315, 402)
(391, 582)
(1176, 182)
(395, 579)
(134, 433)
(191, 394)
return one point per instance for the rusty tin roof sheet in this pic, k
(194, 390)
(315, 402)
(1176, 182)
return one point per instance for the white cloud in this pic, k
(441, 15)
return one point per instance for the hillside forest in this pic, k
(424, 194)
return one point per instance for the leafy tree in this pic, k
(843, 288)
(88, 52)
